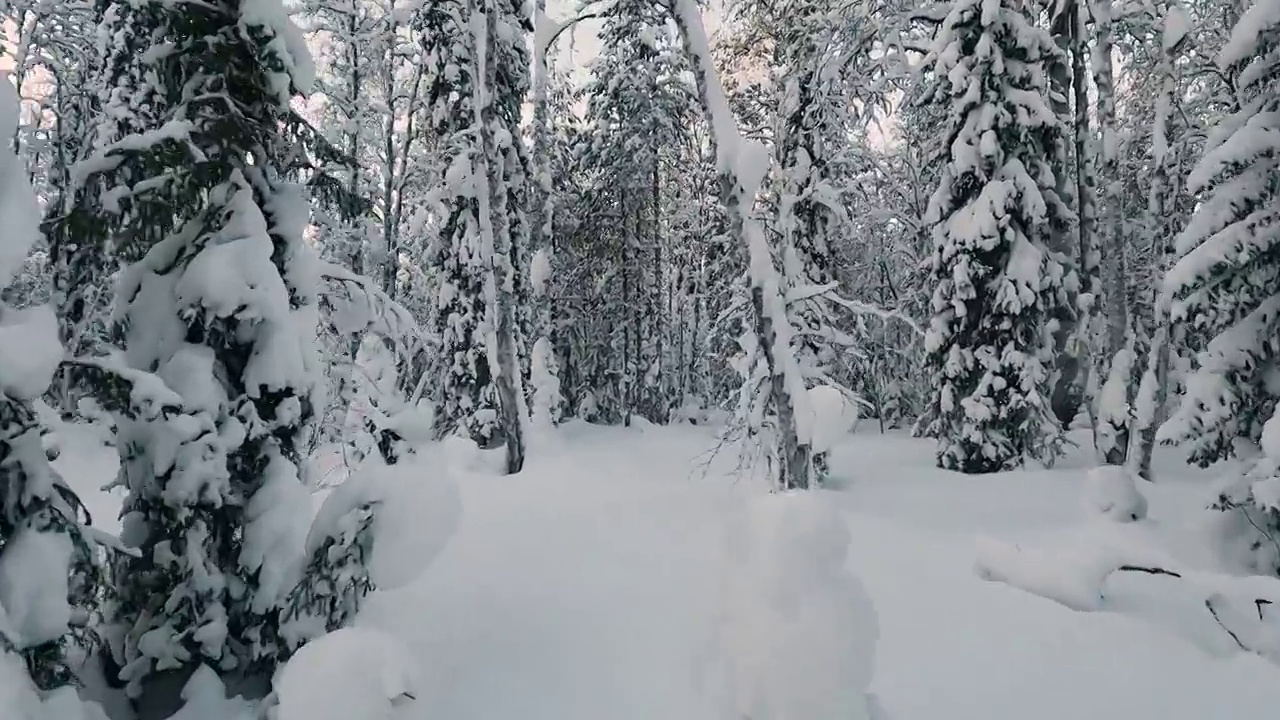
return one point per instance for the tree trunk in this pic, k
(541, 205)
(1154, 387)
(495, 223)
(772, 328)
(1110, 420)
(1071, 339)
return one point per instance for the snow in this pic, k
(277, 519)
(833, 415)
(19, 211)
(206, 699)
(29, 351)
(418, 510)
(1264, 15)
(540, 272)
(544, 385)
(286, 40)
(595, 584)
(349, 674)
(797, 631)
(1111, 491)
(33, 585)
(1175, 27)
(1071, 578)
(22, 701)
(1270, 440)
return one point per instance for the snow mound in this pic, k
(1071, 578)
(833, 415)
(418, 512)
(17, 693)
(29, 351)
(33, 586)
(1112, 491)
(206, 699)
(349, 674)
(1270, 440)
(414, 423)
(797, 631)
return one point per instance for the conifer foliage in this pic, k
(1226, 284)
(478, 78)
(186, 179)
(988, 342)
(46, 560)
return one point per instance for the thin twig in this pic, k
(1149, 570)
(1214, 612)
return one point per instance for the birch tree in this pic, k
(742, 165)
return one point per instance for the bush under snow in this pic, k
(379, 529)
(33, 586)
(350, 674)
(1112, 491)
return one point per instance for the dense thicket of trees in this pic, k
(273, 233)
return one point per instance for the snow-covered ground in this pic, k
(590, 587)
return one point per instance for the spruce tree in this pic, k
(186, 182)
(477, 77)
(47, 569)
(466, 399)
(1225, 287)
(990, 340)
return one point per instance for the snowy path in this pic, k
(582, 593)
(569, 597)
(583, 589)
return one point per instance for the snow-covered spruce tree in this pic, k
(218, 304)
(478, 75)
(1226, 284)
(990, 341)
(47, 572)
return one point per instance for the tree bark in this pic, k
(1071, 340)
(1111, 230)
(1153, 389)
(793, 454)
(495, 223)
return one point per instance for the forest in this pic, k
(334, 330)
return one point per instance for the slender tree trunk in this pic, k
(542, 208)
(659, 290)
(1086, 179)
(390, 246)
(496, 225)
(1114, 418)
(1153, 389)
(1070, 341)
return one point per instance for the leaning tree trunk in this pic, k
(739, 182)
